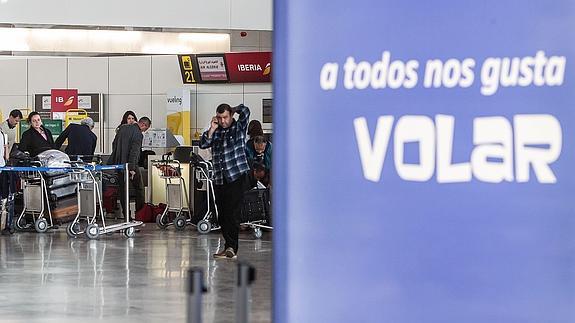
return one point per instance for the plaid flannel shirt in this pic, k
(228, 148)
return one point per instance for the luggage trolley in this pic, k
(209, 221)
(256, 211)
(36, 198)
(89, 197)
(171, 172)
(89, 178)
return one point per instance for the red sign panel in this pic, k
(64, 99)
(249, 67)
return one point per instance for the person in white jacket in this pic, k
(8, 126)
(6, 189)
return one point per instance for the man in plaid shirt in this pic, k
(226, 137)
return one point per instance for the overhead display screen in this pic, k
(212, 68)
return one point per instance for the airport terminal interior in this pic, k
(287, 161)
(69, 252)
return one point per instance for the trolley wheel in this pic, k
(130, 232)
(41, 225)
(72, 230)
(161, 225)
(180, 222)
(204, 226)
(258, 233)
(92, 231)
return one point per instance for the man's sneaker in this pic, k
(230, 253)
(221, 254)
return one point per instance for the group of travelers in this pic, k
(81, 142)
(240, 153)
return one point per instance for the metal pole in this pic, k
(102, 124)
(195, 290)
(127, 180)
(246, 276)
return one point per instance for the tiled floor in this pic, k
(50, 278)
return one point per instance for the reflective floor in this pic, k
(50, 278)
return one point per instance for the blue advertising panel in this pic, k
(424, 161)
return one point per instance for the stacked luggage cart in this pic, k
(90, 219)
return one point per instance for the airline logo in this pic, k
(248, 67)
(255, 68)
(268, 69)
(64, 99)
(69, 101)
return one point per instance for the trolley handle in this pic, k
(109, 167)
(75, 165)
(90, 167)
(198, 160)
(166, 162)
(95, 158)
(208, 164)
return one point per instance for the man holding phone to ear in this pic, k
(227, 137)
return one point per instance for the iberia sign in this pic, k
(249, 67)
(64, 99)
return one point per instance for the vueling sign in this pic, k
(502, 152)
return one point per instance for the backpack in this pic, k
(149, 212)
(18, 157)
(110, 198)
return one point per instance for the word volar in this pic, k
(534, 141)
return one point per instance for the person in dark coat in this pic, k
(81, 139)
(36, 139)
(126, 148)
(129, 117)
